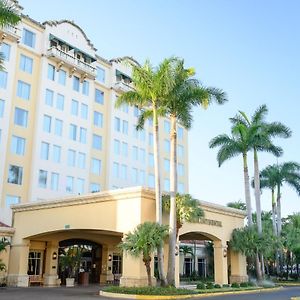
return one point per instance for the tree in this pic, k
(8, 17)
(185, 250)
(237, 205)
(151, 85)
(144, 240)
(3, 244)
(186, 93)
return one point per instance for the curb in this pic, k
(288, 283)
(295, 298)
(152, 297)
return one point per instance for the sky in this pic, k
(250, 49)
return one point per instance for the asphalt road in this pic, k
(91, 293)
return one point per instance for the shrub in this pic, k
(251, 283)
(209, 285)
(217, 286)
(201, 286)
(244, 284)
(226, 285)
(235, 285)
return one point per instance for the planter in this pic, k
(70, 282)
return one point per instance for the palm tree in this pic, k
(144, 240)
(237, 205)
(3, 244)
(8, 17)
(186, 93)
(150, 87)
(185, 250)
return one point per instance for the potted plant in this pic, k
(69, 261)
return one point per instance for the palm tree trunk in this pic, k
(148, 270)
(258, 268)
(158, 198)
(173, 191)
(274, 212)
(279, 226)
(247, 189)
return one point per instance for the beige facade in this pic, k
(104, 218)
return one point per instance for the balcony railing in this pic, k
(122, 87)
(71, 61)
(11, 31)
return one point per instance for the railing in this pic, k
(67, 58)
(122, 86)
(11, 30)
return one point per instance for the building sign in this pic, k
(210, 222)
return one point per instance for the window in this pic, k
(60, 102)
(180, 151)
(135, 154)
(125, 127)
(96, 166)
(85, 88)
(117, 124)
(167, 146)
(167, 165)
(47, 123)
(99, 96)
(70, 184)
(58, 127)
(167, 127)
(142, 177)
(84, 111)
(71, 158)
(74, 107)
(117, 147)
(2, 103)
(17, 145)
(117, 264)
(123, 172)
(180, 169)
(80, 186)
(26, 64)
(51, 72)
(97, 142)
(94, 187)
(150, 139)
(125, 108)
(100, 74)
(180, 187)
(76, 82)
(15, 174)
(98, 119)
(150, 121)
(143, 155)
(81, 160)
(43, 179)
(5, 49)
(151, 180)
(23, 90)
(82, 135)
(116, 170)
(62, 75)
(54, 181)
(44, 151)
(11, 200)
(73, 132)
(21, 117)
(135, 176)
(151, 159)
(56, 153)
(34, 263)
(49, 97)
(124, 149)
(28, 38)
(3, 79)
(135, 132)
(166, 185)
(180, 133)
(142, 135)
(136, 111)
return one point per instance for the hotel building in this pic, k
(60, 133)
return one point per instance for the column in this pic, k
(220, 262)
(238, 267)
(51, 265)
(18, 264)
(106, 267)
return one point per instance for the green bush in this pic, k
(209, 285)
(226, 285)
(251, 283)
(201, 286)
(217, 286)
(244, 284)
(235, 285)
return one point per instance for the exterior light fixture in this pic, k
(109, 257)
(225, 252)
(54, 255)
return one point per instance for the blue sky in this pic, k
(251, 49)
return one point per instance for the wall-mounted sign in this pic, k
(67, 226)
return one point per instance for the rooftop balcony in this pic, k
(10, 32)
(75, 64)
(123, 87)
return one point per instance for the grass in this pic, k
(227, 289)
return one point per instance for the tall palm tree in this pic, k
(8, 17)
(151, 85)
(186, 93)
(144, 240)
(237, 205)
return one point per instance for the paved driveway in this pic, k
(91, 293)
